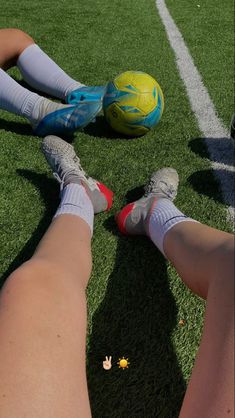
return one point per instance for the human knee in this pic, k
(13, 43)
(41, 273)
(20, 34)
(22, 39)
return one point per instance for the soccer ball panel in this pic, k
(121, 122)
(133, 103)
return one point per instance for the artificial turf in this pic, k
(208, 30)
(135, 298)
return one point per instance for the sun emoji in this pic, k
(123, 363)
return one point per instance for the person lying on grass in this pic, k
(83, 103)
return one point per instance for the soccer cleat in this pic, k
(86, 94)
(67, 169)
(68, 119)
(133, 219)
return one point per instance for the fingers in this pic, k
(107, 363)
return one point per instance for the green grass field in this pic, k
(135, 298)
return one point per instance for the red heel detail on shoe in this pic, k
(121, 218)
(107, 193)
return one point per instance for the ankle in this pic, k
(164, 216)
(73, 86)
(43, 107)
(134, 218)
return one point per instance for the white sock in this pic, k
(164, 216)
(43, 74)
(16, 99)
(75, 201)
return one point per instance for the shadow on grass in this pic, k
(26, 130)
(49, 192)
(207, 182)
(223, 150)
(20, 128)
(101, 129)
(135, 320)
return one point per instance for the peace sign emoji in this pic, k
(107, 363)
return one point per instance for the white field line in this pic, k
(219, 144)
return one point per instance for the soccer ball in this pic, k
(133, 103)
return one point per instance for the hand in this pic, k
(107, 363)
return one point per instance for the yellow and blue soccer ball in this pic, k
(133, 103)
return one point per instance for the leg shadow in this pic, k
(100, 129)
(222, 150)
(222, 153)
(207, 182)
(135, 320)
(25, 129)
(49, 192)
(20, 128)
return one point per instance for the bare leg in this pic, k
(43, 328)
(13, 42)
(43, 304)
(204, 259)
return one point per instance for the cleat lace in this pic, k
(155, 186)
(66, 167)
(71, 167)
(59, 179)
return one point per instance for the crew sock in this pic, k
(75, 201)
(164, 215)
(43, 74)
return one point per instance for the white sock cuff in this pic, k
(75, 201)
(28, 106)
(164, 216)
(26, 53)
